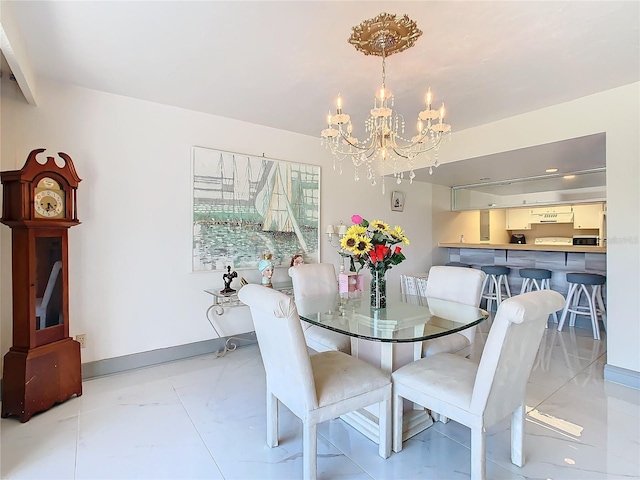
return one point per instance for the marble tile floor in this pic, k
(204, 418)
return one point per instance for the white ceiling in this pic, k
(281, 64)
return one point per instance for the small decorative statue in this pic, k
(266, 269)
(228, 277)
(296, 260)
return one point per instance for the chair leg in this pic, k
(398, 405)
(490, 291)
(525, 285)
(384, 422)
(484, 285)
(309, 451)
(505, 278)
(576, 303)
(272, 420)
(517, 436)
(594, 312)
(478, 454)
(567, 303)
(603, 311)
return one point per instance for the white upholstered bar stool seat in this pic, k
(480, 396)
(456, 284)
(315, 388)
(318, 280)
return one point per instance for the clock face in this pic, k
(48, 204)
(48, 201)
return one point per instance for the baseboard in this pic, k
(110, 366)
(622, 376)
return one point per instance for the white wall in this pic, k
(617, 113)
(131, 286)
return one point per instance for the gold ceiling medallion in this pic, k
(383, 36)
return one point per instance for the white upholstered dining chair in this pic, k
(456, 284)
(318, 280)
(479, 396)
(315, 388)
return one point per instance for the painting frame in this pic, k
(397, 201)
(244, 206)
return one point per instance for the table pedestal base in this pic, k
(413, 422)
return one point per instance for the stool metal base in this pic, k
(494, 292)
(595, 306)
(529, 284)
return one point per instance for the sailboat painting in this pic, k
(244, 206)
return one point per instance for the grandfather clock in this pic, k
(42, 367)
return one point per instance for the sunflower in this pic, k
(363, 245)
(398, 233)
(349, 242)
(356, 230)
(380, 225)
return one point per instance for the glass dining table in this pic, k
(389, 338)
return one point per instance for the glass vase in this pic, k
(379, 289)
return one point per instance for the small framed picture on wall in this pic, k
(397, 201)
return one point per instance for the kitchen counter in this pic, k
(559, 259)
(529, 247)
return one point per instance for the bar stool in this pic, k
(577, 286)
(457, 264)
(531, 277)
(494, 281)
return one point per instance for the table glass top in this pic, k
(399, 322)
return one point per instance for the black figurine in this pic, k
(228, 277)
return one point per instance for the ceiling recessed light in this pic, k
(551, 170)
(569, 176)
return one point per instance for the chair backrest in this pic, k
(51, 283)
(282, 346)
(510, 351)
(313, 280)
(456, 284)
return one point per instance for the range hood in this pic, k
(560, 217)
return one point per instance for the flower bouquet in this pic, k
(373, 245)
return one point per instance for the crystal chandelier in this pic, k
(383, 36)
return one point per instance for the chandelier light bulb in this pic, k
(385, 151)
(428, 97)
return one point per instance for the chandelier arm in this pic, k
(355, 145)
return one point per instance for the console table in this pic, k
(222, 301)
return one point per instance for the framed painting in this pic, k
(397, 201)
(246, 206)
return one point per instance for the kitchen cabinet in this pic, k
(587, 216)
(551, 209)
(518, 219)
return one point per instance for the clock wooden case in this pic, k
(43, 365)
